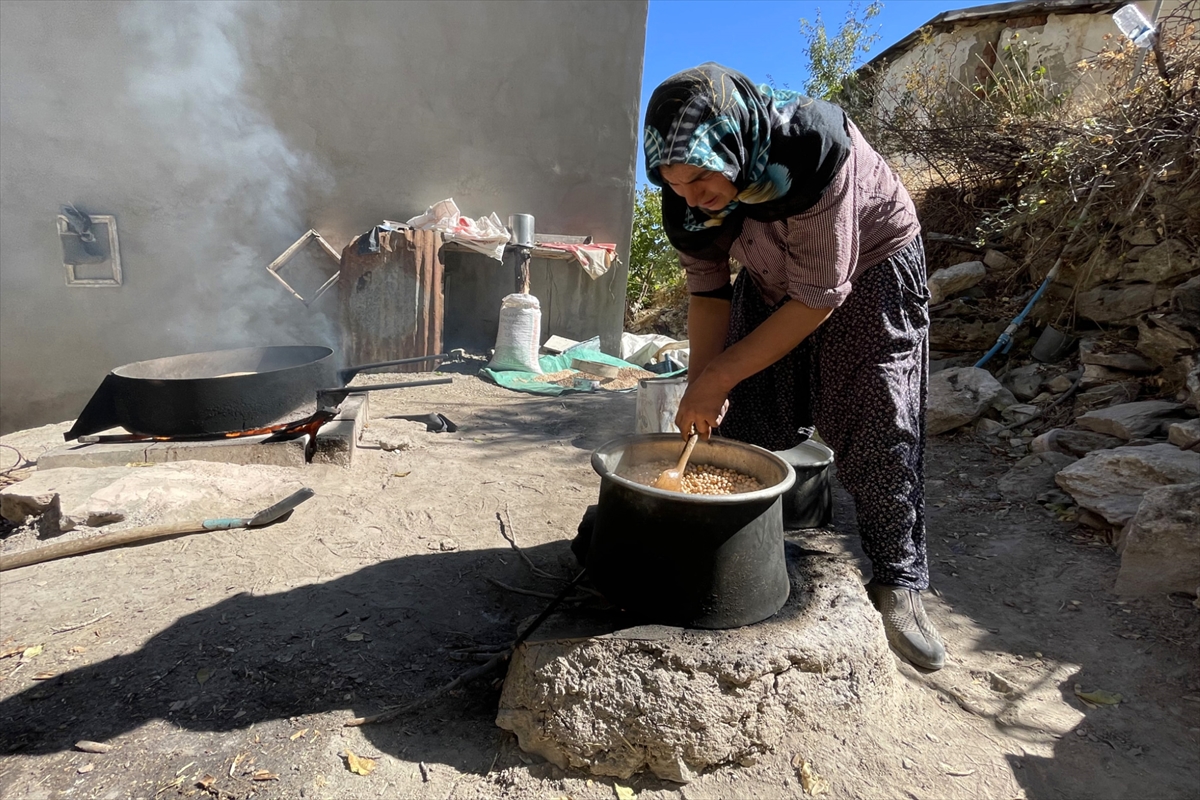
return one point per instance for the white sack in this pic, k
(518, 335)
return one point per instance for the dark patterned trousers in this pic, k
(861, 379)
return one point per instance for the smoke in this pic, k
(245, 183)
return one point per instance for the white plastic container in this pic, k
(1133, 24)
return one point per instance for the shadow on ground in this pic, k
(377, 637)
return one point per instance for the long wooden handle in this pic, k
(687, 452)
(102, 542)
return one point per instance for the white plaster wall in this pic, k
(218, 132)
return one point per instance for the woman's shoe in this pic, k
(908, 629)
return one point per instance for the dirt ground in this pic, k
(210, 660)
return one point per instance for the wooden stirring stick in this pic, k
(672, 479)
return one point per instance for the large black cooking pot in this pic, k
(203, 393)
(689, 560)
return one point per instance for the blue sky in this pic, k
(760, 37)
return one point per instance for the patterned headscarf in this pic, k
(780, 149)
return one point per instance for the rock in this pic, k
(68, 497)
(1111, 482)
(1020, 412)
(1072, 443)
(994, 259)
(957, 335)
(395, 444)
(1033, 476)
(1121, 301)
(1138, 236)
(958, 397)
(1024, 382)
(1090, 353)
(1162, 262)
(677, 702)
(1184, 435)
(1094, 375)
(1161, 549)
(1041, 399)
(1134, 253)
(947, 282)
(1164, 337)
(1004, 400)
(1186, 296)
(1192, 386)
(1130, 420)
(1061, 383)
(988, 427)
(1104, 396)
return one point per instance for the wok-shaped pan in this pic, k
(215, 392)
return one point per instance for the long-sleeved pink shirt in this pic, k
(864, 217)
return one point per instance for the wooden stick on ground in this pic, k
(510, 536)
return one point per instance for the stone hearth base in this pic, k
(677, 702)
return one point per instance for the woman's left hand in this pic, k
(703, 405)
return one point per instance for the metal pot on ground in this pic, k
(703, 561)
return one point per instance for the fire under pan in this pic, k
(336, 443)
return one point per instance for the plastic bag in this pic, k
(518, 335)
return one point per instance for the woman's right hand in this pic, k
(702, 406)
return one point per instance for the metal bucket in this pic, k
(657, 401)
(689, 560)
(809, 503)
(521, 228)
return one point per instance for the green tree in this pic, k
(832, 59)
(653, 265)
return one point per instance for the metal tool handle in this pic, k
(271, 514)
(347, 374)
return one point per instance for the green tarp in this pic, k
(528, 382)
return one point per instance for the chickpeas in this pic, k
(707, 479)
(698, 478)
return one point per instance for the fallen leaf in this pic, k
(85, 769)
(359, 765)
(92, 747)
(797, 760)
(203, 674)
(401, 474)
(31, 652)
(298, 734)
(623, 792)
(1099, 697)
(264, 775)
(812, 783)
(353, 637)
(206, 782)
(43, 676)
(16, 651)
(955, 772)
(76, 650)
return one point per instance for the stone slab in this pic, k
(67, 498)
(958, 397)
(1132, 420)
(337, 442)
(676, 702)
(1111, 483)
(1185, 435)
(1161, 548)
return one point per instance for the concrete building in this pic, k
(962, 47)
(214, 134)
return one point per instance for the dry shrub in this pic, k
(1014, 157)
